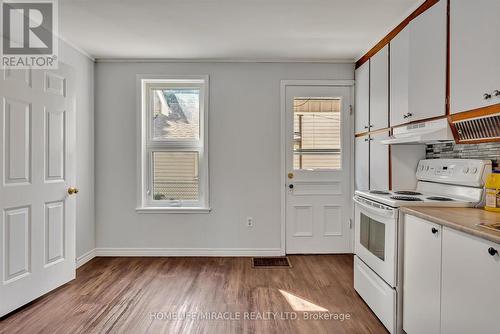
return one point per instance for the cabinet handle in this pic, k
(370, 126)
(290, 186)
(407, 115)
(496, 92)
(492, 251)
(366, 139)
(486, 96)
(434, 230)
(367, 127)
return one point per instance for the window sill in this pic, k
(172, 210)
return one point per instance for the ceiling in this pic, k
(229, 29)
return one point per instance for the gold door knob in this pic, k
(72, 190)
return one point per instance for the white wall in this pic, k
(244, 153)
(85, 213)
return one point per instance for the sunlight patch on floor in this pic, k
(301, 305)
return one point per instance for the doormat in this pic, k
(271, 262)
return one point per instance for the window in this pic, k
(316, 133)
(173, 156)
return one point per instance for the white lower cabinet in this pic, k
(451, 281)
(471, 285)
(422, 276)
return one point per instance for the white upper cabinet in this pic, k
(362, 163)
(418, 68)
(470, 289)
(399, 73)
(362, 107)
(427, 84)
(379, 90)
(474, 54)
(379, 162)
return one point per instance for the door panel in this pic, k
(318, 132)
(379, 162)
(17, 145)
(427, 71)
(362, 111)
(362, 163)
(37, 148)
(379, 90)
(422, 276)
(17, 241)
(399, 73)
(474, 50)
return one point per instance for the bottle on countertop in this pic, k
(492, 186)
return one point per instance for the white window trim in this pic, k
(144, 168)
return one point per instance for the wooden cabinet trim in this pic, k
(422, 8)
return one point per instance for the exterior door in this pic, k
(37, 144)
(318, 132)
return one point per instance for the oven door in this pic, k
(376, 237)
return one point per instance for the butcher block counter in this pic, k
(462, 219)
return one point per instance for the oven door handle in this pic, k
(382, 212)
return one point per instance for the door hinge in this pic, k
(350, 223)
(350, 109)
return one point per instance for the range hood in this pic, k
(421, 133)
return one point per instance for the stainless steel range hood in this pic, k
(421, 133)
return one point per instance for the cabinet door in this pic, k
(474, 50)
(362, 163)
(379, 90)
(471, 290)
(379, 162)
(399, 73)
(422, 276)
(427, 71)
(361, 115)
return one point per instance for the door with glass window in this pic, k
(318, 132)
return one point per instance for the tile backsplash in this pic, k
(487, 151)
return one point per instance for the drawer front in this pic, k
(379, 296)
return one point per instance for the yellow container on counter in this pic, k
(493, 192)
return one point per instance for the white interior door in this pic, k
(318, 132)
(37, 233)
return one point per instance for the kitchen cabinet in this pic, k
(474, 50)
(470, 286)
(372, 162)
(422, 276)
(379, 90)
(450, 280)
(362, 162)
(379, 162)
(418, 68)
(362, 99)
(399, 75)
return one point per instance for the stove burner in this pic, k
(379, 192)
(406, 198)
(439, 198)
(406, 192)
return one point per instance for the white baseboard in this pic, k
(81, 260)
(232, 252)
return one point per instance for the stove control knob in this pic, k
(421, 167)
(473, 170)
(426, 168)
(465, 170)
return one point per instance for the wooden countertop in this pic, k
(462, 219)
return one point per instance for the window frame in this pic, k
(147, 145)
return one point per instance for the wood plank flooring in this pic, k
(143, 295)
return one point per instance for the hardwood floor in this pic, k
(138, 295)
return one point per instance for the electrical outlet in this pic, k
(250, 222)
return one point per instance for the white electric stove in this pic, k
(378, 234)
(441, 182)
